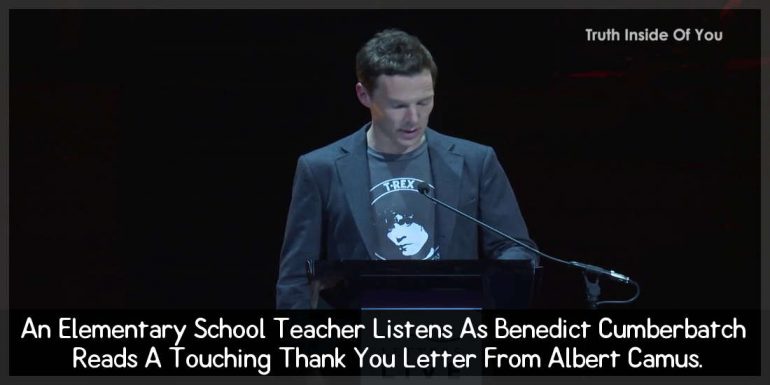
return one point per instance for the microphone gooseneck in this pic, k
(424, 188)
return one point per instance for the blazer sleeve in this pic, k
(301, 241)
(499, 208)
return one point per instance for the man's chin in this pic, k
(411, 142)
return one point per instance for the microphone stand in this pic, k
(592, 288)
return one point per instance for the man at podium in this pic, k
(357, 198)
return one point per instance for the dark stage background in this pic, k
(152, 152)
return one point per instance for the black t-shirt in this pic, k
(404, 220)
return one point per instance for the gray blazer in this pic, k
(330, 218)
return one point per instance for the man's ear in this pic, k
(363, 95)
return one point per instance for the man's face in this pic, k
(400, 106)
(408, 236)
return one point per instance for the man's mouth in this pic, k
(409, 133)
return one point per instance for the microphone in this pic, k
(424, 188)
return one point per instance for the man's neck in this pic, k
(395, 149)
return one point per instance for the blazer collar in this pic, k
(447, 168)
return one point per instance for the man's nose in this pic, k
(412, 116)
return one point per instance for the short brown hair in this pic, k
(392, 52)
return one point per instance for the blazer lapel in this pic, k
(353, 170)
(447, 168)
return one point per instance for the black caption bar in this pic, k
(394, 343)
